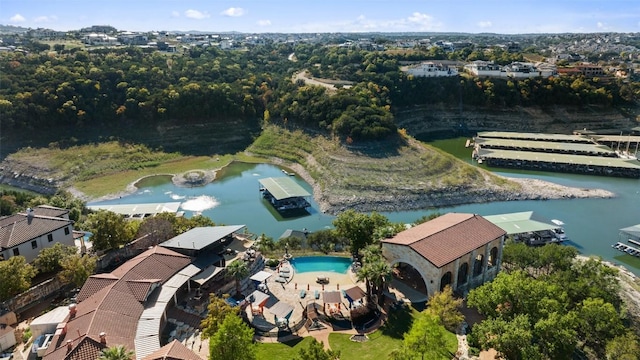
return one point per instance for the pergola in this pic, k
(281, 312)
(258, 300)
(354, 295)
(333, 299)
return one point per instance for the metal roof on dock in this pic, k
(283, 188)
(546, 145)
(131, 210)
(520, 222)
(623, 139)
(533, 136)
(559, 158)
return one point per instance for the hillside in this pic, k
(426, 120)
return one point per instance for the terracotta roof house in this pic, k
(460, 250)
(27, 233)
(125, 307)
(173, 351)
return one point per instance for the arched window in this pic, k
(493, 257)
(445, 280)
(477, 265)
(463, 271)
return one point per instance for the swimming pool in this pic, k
(334, 264)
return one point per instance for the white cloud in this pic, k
(234, 12)
(485, 24)
(41, 19)
(264, 22)
(175, 14)
(17, 18)
(602, 26)
(416, 22)
(195, 14)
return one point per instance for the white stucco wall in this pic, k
(42, 242)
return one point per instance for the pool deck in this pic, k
(289, 292)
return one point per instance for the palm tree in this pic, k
(375, 272)
(118, 352)
(237, 270)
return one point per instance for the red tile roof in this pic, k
(174, 350)
(46, 210)
(18, 229)
(113, 303)
(83, 348)
(448, 237)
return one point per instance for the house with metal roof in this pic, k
(460, 250)
(26, 234)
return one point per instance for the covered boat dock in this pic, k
(546, 146)
(139, 211)
(528, 227)
(284, 193)
(535, 137)
(581, 164)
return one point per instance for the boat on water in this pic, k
(559, 232)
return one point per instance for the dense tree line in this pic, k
(77, 89)
(549, 305)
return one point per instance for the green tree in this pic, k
(16, 276)
(217, 310)
(77, 268)
(50, 259)
(265, 243)
(233, 340)
(118, 352)
(599, 323)
(316, 351)
(446, 308)
(623, 347)
(375, 272)
(511, 338)
(426, 336)
(358, 228)
(109, 230)
(323, 240)
(556, 335)
(237, 271)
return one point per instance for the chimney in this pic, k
(72, 311)
(103, 338)
(29, 215)
(69, 345)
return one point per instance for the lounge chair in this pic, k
(303, 293)
(285, 270)
(316, 294)
(280, 280)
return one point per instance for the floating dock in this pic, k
(556, 152)
(627, 249)
(284, 193)
(140, 211)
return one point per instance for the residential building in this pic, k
(431, 69)
(460, 250)
(125, 307)
(26, 234)
(485, 68)
(587, 69)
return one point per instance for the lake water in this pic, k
(592, 225)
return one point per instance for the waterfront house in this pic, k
(26, 234)
(460, 250)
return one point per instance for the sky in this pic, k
(313, 16)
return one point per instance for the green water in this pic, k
(592, 225)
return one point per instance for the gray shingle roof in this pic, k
(200, 237)
(18, 229)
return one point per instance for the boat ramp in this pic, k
(580, 154)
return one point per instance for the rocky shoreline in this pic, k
(528, 189)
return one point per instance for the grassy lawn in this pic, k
(388, 338)
(290, 350)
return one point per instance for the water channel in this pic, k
(592, 225)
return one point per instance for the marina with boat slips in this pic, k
(606, 155)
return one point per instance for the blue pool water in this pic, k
(321, 263)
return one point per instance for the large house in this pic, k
(460, 250)
(26, 234)
(125, 307)
(132, 305)
(431, 69)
